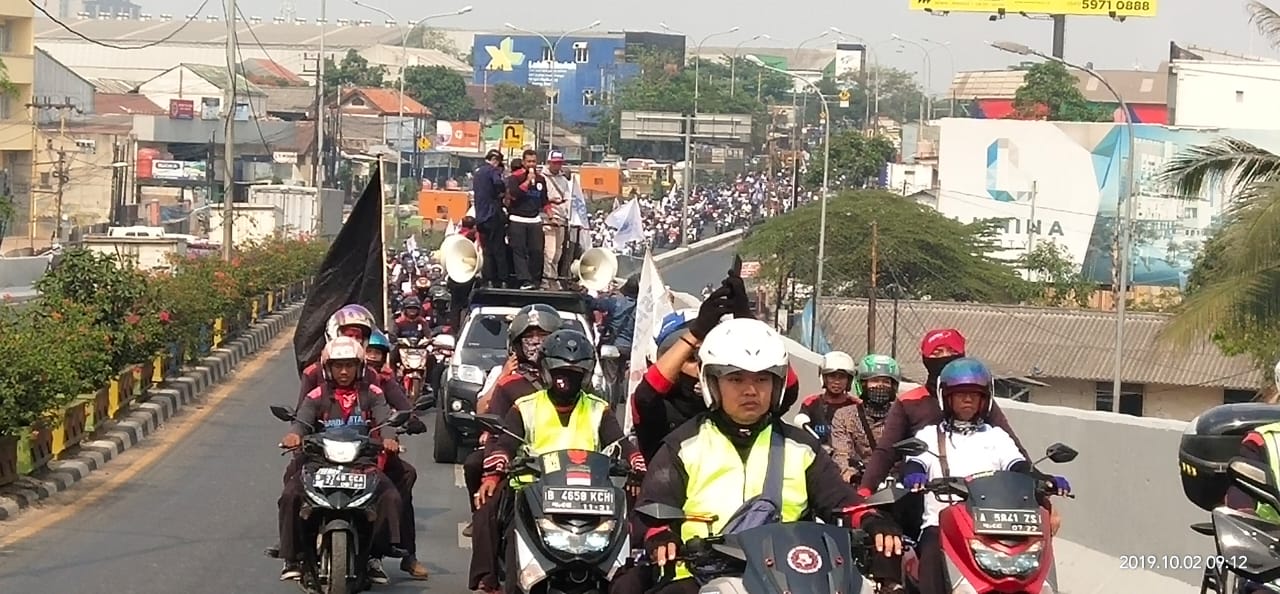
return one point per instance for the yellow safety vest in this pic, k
(719, 482)
(1271, 439)
(545, 434)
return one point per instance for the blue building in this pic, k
(585, 69)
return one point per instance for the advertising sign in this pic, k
(458, 137)
(178, 170)
(1107, 8)
(549, 73)
(182, 109)
(850, 61)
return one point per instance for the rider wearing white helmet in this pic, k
(837, 372)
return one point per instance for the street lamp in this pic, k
(404, 63)
(1124, 217)
(826, 179)
(555, 86)
(733, 60)
(951, 63)
(926, 112)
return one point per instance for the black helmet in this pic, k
(567, 349)
(410, 301)
(537, 315)
(631, 288)
(438, 293)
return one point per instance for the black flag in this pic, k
(352, 272)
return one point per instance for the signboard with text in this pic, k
(178, 170)
(458, 137)
(1111, 8)
(182, 109)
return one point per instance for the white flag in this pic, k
(578, 215)
(451, 229)
(411, 244)
(626, 223)
(652, 305)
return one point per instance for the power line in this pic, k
(148, 44)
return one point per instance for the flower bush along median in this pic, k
(95, 318)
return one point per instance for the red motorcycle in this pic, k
(995, 536)
(413, 354)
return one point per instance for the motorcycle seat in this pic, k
(1204, 528)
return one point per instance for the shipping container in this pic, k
(297, 205)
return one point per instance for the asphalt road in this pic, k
(197, 520)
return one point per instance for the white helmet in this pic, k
(742, 344)
(838, 362)
(342, 348)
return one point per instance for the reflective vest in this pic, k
(544, 432)
(1271, 439)
(719, 482)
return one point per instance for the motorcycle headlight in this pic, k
(595, 541)
(469, 374)
(413, 358)
(1001, 564)
(341, 452)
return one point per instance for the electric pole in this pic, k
(871, 296)
(62, 176)
(229, 179)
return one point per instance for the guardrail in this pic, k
(92, 414)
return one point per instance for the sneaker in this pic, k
(466, 530)
(414, 568)
(528, 287)
(290, 571)
(377, 574)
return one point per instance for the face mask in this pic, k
(529, 346)
(879, 397)
(935, 364)
(565, 386)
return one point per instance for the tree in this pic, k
(855, 160)
(1056, 281)
(900, 96)
(520, 102)
(920, 250)
(442, 90)
(1049, 91)
(353, 71)
(423, 37)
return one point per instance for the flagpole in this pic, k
(382, 235)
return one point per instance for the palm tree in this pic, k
(1236, 288)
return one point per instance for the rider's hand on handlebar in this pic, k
(291, 440)
(663, 547)
(886, 534)
(391, 445)
(1060, 486)
(915, 481)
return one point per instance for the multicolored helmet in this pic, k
(966, 372)
(350, 315)
(874, 366)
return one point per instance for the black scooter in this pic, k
(1246, 543)
(570, 522)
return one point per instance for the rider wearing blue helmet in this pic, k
(378, 355)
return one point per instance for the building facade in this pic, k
(581, 72)
(1224, 94)
(17, 135)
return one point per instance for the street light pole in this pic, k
(927, 112)
(733, 61)
(826, 184)
(1124, 212)
(555, 89)
(404, 64)
(799, 122)
(951, 63)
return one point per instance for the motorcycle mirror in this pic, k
(425, 402)
(1255, 479)
(609, 351)
(912, 446)
(399, 418)
(661, 512)
(282, 413)
(1060, 453)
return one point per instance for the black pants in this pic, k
(472, 474)
(526, 240)
(459, 299)
(933, 569)
(387, 504)
(569, 253)
(486, 538)
(493, 234)
(403, 476)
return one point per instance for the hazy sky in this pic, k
(1221, 24)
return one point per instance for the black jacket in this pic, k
(528, 197)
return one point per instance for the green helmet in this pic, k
(873, 366)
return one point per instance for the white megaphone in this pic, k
(462, 259)
(596, 268)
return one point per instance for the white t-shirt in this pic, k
(967, 454)
(491, 379)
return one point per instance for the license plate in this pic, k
(341, 480)
(1007, 522)
(569, 500)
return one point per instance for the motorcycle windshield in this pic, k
(347, 433)
(795, 557)
(1004, 503)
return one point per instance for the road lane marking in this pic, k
(159, 444)
(459, 477)
(463, 541)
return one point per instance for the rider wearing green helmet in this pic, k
(855, 429)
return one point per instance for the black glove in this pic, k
(717, 306)
(876, 523)
(739, 302)
(415, 426)
(661, 539)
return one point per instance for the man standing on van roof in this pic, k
(487, 191)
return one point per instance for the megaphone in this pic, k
(461, 257)
(596, 268)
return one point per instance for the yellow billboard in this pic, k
(1117, 8)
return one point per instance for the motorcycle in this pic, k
(442, 347)
(571, 526)
(995, 536)
(784, 558)
(340, 483)
(414, 354)
(1246, 543)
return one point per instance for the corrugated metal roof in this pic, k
(125, 103)
(291, 99)
(1134, 86)
(113, 85)
(218, 77)
(391, 56)
(265, 72)
(337, 36)
(1040, 342)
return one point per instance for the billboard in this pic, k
(178, 170)
(1106, 8)
(851, 59)
(1069, 175)
(457, 137)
